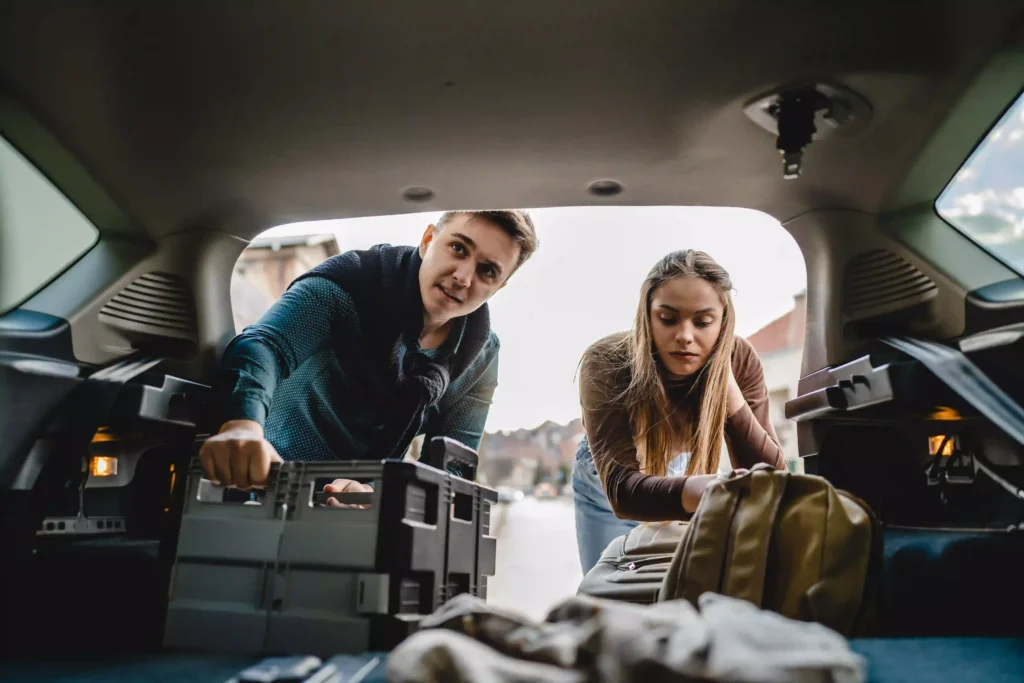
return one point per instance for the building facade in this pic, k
(266, 268)
(780, 345)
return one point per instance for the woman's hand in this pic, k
(693, 490)
(695, 484)
(346, 486)
(734, 397)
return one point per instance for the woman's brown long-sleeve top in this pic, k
(749, 434)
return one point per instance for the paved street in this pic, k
(537, 563)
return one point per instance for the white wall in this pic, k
(781, 374)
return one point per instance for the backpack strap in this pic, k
(725, 549)
(743, 574)
(700, 558)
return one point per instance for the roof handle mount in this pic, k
(801, 113)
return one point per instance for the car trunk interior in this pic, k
(182, 131)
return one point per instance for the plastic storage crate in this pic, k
(469, 527)
(287, 574)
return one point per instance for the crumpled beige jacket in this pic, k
(587, 639)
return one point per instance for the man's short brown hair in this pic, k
(517, 224)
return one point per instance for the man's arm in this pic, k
(300, 323)
(464, 419)
(303, 321)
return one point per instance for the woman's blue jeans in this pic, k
(596, 524)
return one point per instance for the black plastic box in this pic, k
(287, 574)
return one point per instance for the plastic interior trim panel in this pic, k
(32, 389)
(995, 305)
(912, 219)
(884, 377)
(81, 287)
(961, 375)
(910, 228)
(35, 333)
(37, 145)
(850, 387)
(830, 242)
(979, 108)
(945, 249)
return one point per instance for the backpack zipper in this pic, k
(644, 561)
(615, 561)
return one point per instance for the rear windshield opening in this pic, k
(582, 284)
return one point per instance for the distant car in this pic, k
(545, 490)
(509, 494)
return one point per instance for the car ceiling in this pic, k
(241, 116)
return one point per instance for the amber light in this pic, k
(103, 466)
(935, 443)
(102, 435)
(945, 413)
(174, 477)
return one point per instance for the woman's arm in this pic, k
(751, 436)
(631, 493)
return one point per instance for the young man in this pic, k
(368, 350)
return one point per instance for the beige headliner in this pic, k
(238, 116)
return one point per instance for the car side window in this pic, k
(985, 200)
(41, 231)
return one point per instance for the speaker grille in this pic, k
(879, 282)
(157, 304)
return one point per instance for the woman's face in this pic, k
(686, 317)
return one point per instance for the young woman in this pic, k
(658, 401)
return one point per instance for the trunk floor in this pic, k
(890, 660)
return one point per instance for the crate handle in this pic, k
(209, 492)
(363, 499)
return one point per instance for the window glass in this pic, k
(41, 231)
(985, 200)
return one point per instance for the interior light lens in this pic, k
(103, 466)
(935, 443)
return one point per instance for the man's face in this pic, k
(464, 264)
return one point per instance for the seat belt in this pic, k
(959, 373)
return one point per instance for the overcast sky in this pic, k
(584, 282)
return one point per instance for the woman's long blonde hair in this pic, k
(658, 427)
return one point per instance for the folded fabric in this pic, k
(590, 639)
(442, 656)
(751, 644)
